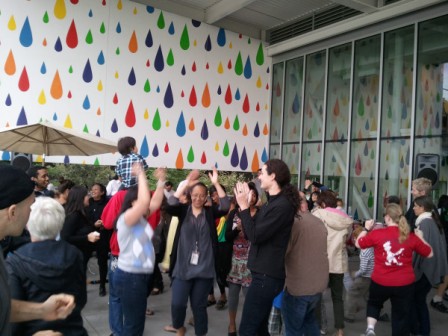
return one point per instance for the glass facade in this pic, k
(367, 116)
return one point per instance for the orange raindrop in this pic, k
(180, 160)
(265, 129)
(191, 126)
(133, 44)
(255, 162)
(98, 112)
(56, 86)
(245, 132)
(10, 64)
(227, 124)
(206, 96)
(44, 42)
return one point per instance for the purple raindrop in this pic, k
(58, 45)
(234, 159)
(244, 161)
(148, 41)
(114, 127)
(8, 100)
(22, 120)
(195, 23)
(87, 75)
(208, 44)
(155, 151)
(159, 63)
(168, 99)
(257, 130)
(66, 160)
(204, 131)
(131, 78)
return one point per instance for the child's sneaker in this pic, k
(369, 332)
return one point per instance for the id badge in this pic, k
(194, 258)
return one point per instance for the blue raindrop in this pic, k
(264, 155)
(90, 13)
(221, 39)
(150, 9)
(8, 100)
(237, 94)
(26, 36)
(171, 29)
(148, 40)
(58, 45)
(155, 151)
(244, 161)
(86, 103)
(234, 159)
(248, 69)
(114, 127)
(55, 116)
(118, 29)
(131, 78)
(101, 58)
(208, 44)
(66, 160)
(204, 131)
(180, 128)
(168, 99)
(257, 130)
(87, 75)
(144, 149)
(43, 68)
(22, 120)
(364, 187)
(159, 63)
(158, 89)
(296, 104)
(6, 156)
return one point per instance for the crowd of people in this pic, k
(268, 240)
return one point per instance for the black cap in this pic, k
(15, 186)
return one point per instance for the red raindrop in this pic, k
(148, 63)
(229, 65)
(203, 158)
(228, 97)
(193, 67)
(24, 82)
(246, 104)
(193, 99)
(72, 36)
(115, 100)
(207, 66)
(69, 95)
(130, 115)
(166, 148)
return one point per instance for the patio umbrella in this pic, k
(46, 138)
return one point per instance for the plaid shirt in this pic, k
(124, 168)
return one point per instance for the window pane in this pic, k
(362, 181)
(290, 155)
(366, 88)
(311, 162)
(293, 101)
(397, 82)
(314, 96)
(337, 119)
(432, 97)
(277, 98)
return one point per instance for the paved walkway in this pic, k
(96, 315)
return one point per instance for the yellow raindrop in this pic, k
(195, 43)
(230, 45)
(100, 85)
(59, 9)
(119, 4)
(42, 100)
(167, 124)
(135, 11)
(39, 158)
(146, 114)
(220, 68)
(12, 23)
(68, 122)
(217, 146)
(116, 74)
(259, 83)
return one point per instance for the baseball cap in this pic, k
(15, 186)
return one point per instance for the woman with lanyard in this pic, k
(192, 265)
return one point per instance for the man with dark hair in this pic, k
(168, 189)
(16, 197)
(39, 175)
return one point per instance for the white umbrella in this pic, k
(46, 138)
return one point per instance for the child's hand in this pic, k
(137, 169)
(193, 177)
(213, 176)
(160, 173)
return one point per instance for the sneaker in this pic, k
(439, 306)
(369, 332)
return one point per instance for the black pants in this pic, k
(102, 253)
(401, 299)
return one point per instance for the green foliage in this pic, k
(87, 175)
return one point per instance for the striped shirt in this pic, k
(366, 263)
(124, 168)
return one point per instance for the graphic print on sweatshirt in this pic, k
(392, 257)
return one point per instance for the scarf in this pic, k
(421, 217)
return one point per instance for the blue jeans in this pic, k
(115, 312)
(132, 290)
(298, 314)
(257, 306)
(197, 289)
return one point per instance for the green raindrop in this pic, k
(97, 162)
(260, 55)
(89, 37)
(190, 156)
(361, 107)
(372, 154)
(239, 65)
(156, 123)
(102, 28)
(185, 39)
(310, 134)
(70, 69)
(147, 87)
(370, 200)
(161, 21)
(225, 150)
(117, 51)
(236, 124)
(46, 19)
(318, 166)
(315, 127)
(85, 129)
(389, 112)
(218, 117)
(249, 41)
(438, 97)
(170, 58)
